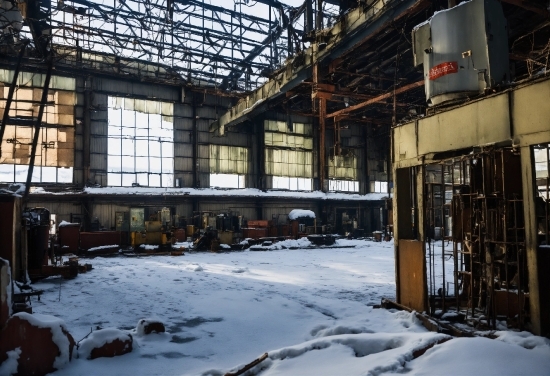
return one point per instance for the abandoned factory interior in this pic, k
(348, 187)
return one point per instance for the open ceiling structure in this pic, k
(231, 45)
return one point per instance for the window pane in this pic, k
(128, 147)
(49, 174)
(167, 165)
(114, 179)
(167, 180)
(142, 164)
(113, 164)
(128, 180)
(155, 122)
(154, 148)
(155, 165)
(141, 148)
(154, 180)
(21, 173)
(142, 179)
(114, 116)
(6, 173)
(65, 175)
(128, 164)
(128, 118)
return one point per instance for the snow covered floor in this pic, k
(308, 308)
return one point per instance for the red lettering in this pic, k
(443, 69)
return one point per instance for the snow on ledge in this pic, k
(247, 192)
(300, 213)
(65, 223)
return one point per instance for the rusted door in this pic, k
(411, 266)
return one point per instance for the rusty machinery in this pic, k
(158, 230)
(474, 217)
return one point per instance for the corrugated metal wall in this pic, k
(62, 210)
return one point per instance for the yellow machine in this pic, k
(157, 230)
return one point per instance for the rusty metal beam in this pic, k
(377, 99)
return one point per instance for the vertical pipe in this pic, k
(37, 126)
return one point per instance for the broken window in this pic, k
(289, 154)
(228, 166)
(342, 173)
(343, 185)
(140, 143)
(55, 151)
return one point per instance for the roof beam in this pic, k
(353, 29)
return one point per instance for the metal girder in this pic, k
(202, 41)
(353, 29)
(235, 74)
(275, 34)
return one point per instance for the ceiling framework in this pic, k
(230, 45)
(375, 78)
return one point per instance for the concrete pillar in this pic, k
(538, 295)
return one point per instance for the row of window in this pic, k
(140, 151)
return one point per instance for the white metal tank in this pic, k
(464, 50)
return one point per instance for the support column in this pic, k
(322, 162)
(320, 103)
(86, 131)
(195, 140)
(539, 310)
(260, 158)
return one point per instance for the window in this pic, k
(542, 168)
(343, 185)
(342, 172)
(293, 184)
(228, 166)
(227, 181)
(289, 155)
(54, 159)
(379, 187)
(140, 143)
